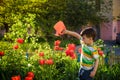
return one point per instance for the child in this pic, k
(89, 55)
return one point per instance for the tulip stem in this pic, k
(27, 56)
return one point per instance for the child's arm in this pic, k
(75, 34)
(95, 68)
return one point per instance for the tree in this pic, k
(74, 13)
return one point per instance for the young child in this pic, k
(89, 55)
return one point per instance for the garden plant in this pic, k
(30, 51)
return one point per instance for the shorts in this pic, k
(84, 74)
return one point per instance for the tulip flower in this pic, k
(30, 74)
(67, 52)
(20, 40)
(15, 46)
(58, 48)
(16, 78)
(41, 54)
(49, 62)
(71, 46)
(57, 43)
(101, 53)
(28, 78)
(41, 62)
(1, 53)
(70, 51)
(73, 56)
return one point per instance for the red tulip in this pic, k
(101, 53)
(60, 48)
(16, 78)
(20, 40)
(30, 74)
(73, 56)
(15, 46)
(49, 62)
(41, 54)
(71, 51)
(71, 46)
(67, 52)
(56, 47)
(28, 78)
(1, 53)
(57, 42)
(41, 62)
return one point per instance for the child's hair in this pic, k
(89, 32)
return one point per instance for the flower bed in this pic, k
(33, 61)
(42, 61)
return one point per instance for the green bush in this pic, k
(108, 72)
(26, 58)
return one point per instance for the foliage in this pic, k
(23, 27)
(33, 20)
(27, 59)
(19, 61)
(74, 13)
(108, 72)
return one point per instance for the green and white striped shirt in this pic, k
(88, 56)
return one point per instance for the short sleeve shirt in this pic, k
(88, 56)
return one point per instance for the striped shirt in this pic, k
(88, 56)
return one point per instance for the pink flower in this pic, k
(20, 40)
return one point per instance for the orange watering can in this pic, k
(59, 27)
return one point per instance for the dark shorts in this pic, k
(84, 74)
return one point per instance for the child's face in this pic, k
(87, 40)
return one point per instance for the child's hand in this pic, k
(92, 74)
(64, 32)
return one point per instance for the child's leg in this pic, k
(84, 74)
(89, 78)
(80, 74)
